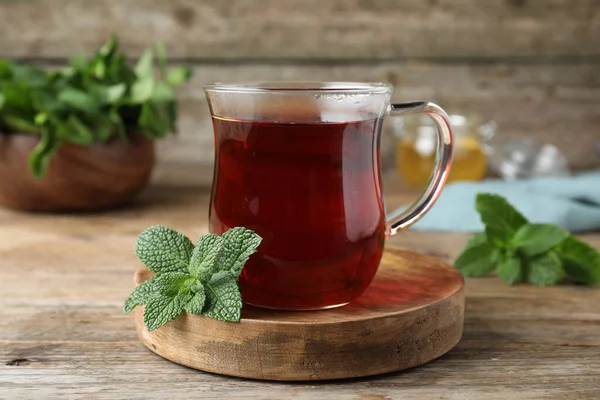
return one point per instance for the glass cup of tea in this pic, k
(299, 164)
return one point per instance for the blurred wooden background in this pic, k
(533, 66)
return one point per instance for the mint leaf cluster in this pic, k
(519, 251)
(90, 101)
(198, 279)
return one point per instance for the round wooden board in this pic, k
(411, 313)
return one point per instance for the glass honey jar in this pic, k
(416, 143)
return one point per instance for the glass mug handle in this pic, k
(441, 169)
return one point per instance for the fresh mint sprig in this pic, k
(200, 279)
(519, 251)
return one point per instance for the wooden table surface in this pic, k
(63, 280)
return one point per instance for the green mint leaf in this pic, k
(179, 75)
(196, 304)
(510, 270)
(79, 100)
(162, 309)
(163, 249)
(545, 270)
(34, 76)
(140, 295)
(201, 280)
(47, 102)
(477, 239)
(18, 98)
(223, 297)
(77, 132)
(100, 69)
(476, 260)
(501, 219)
(110, 47)
(119, 70)
(240, 244)
(144, 68)
(194, 285)
(5, 69)
(155, 120)
(142, 90)
(171, 283)
(118, 125)
(533, 239)
(19, 124)
(78, 63)
(42, 152)
(581, 261)
(162, 92)
(114, 93)
(2, 100)
(206, 256)
(40, 118)
(103, 128)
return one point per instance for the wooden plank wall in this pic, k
(533, 66)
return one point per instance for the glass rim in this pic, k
(300, 87)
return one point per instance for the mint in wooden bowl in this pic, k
(82, 137)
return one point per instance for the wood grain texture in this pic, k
(299, 29)
(78, 178)
(558, 104)
(493, 369)
(531, 65)
(63, 335)
(411, 313)
(71, 323)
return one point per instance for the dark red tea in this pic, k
(313, 192)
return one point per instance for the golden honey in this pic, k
(416, 147)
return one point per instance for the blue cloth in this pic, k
(571, 202)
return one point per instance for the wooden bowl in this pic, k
(78, 178)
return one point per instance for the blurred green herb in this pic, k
(541, 254)
(91, 100)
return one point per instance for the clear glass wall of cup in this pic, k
(298, 163)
